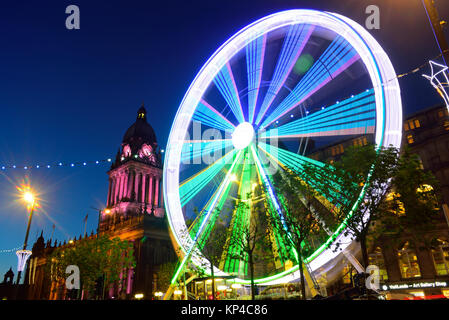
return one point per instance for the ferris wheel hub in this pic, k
(243, 135)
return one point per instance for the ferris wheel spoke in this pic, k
(207, 213)
(212, 219)
(322, 183)
(225, 83)
(194, 151)
(356, 115)
(337, 58)
(255, 52)
(190, 187)
(231, 261)
(294, 43)
(278, 242)
(208, 115)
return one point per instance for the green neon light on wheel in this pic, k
(248, 95)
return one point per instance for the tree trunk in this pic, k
(364, 250)
(213, 280)
(301, 273)
(251, 273)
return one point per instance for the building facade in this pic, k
(134, 212)
(410, 268)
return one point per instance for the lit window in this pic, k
(362, 141)
(406, 128)
(376, 258)
(412, 124)
(446, 125)
(337, 150)
(410, 139)
(408, 262)
(348, 273)
(440, 256)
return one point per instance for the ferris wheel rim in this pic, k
(390, 133)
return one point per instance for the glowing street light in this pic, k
(24, 254)
(29, 198)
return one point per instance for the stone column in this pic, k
(136, 185)
(425, 261)
(150, 191)
(156, 193)
(125, 185)
(129, 282)
(143, 189)
(117, 189)
(130, 183)
(114, 183)
(120, 189)
(161, 195)
(391, 263)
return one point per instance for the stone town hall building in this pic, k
(134, 212)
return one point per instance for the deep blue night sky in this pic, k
(69, 95)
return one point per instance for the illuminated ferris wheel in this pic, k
(286, 85)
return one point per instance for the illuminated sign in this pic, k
(417, 285)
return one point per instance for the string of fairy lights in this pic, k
(97, 162)
(55, 165)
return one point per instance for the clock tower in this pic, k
(135, 209)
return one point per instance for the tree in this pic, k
(164, 275)
(362, 178)
(212, 249)
(298, 222)
(96, 258)
(250, 240)
(412, 207)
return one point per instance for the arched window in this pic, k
(376, 258)
(408, 262)
(440, 256)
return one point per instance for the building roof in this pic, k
(140, 132)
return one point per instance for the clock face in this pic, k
(126, 151)
(146, 150)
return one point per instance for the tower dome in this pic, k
(140, 132)
(139, 143)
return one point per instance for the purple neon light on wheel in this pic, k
(303, 78)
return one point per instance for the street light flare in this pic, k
(28, 197)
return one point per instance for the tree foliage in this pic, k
(251, 240)
(298, 223)
(164, 275)
(412, 207)
(97, 258)
(357, 186)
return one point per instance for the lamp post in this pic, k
(24, 254)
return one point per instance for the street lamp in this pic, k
(24, 254)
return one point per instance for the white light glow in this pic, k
(243, 135)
